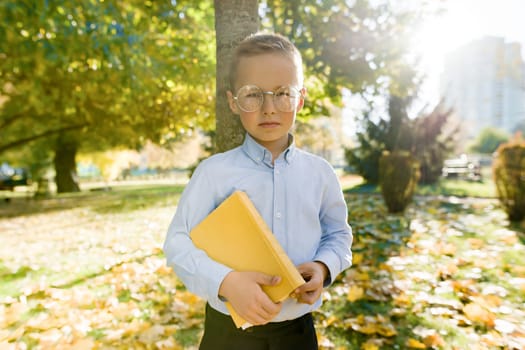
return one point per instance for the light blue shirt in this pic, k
(298, 196)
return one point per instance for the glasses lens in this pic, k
(250, 98)
(286, 98)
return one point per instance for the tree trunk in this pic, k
(234, 20)
(65, 165)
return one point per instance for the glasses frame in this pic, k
(272, 93)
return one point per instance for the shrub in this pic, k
(398, 176)
(509, 176)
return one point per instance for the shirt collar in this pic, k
(259, 154)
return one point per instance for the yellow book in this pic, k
(236, 235)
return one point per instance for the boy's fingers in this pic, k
(267, 280)
(306, 287)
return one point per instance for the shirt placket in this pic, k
(279, 209)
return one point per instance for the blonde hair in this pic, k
(264, 43)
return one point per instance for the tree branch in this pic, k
(12, 119)
(23, 141)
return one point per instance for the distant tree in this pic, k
(435, 139)
(488, 140)
(389, 133)
(425, 137)
(519, 127)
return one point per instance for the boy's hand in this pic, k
(243, 291)
(314, 273)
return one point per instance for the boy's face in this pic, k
(268, 125)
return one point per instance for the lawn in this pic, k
(86, 271)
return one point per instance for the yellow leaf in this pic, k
(330, 320)
(369, 346)
(385, 267)
(355, 293)
(402, 300)
(476, 243)
(487, 301)
(80, 344)
(476, 313)
(12, 313)
(445, 249)
(415, 344)
(447, 271)
(434, 340)
(386, 330)
(354, 275)
(373, 344)
(357, 258)
(365, 329)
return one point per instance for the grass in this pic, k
(118, 199)
(94, 259)
(445, 187)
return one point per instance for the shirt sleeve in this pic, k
(200, 274)
(336, 239)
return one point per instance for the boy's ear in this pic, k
(300, 104)
(231, 103)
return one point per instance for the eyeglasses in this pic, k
(250, 98)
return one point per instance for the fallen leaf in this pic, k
(355, 293)
(369, 346)
(357, 258)
(479, 314)
(415, 344)
(434, 340)
(387, 330)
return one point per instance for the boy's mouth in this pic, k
(269, 124)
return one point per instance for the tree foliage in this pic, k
(103, 73)
(488, 140)
(359, 45)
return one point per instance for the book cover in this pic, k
(236, 235)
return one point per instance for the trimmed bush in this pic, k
(398, 177)
(509, 176)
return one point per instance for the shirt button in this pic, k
(278, 215)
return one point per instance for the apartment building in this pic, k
(484, 81)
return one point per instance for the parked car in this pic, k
(12, 177)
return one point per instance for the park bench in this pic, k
(462, 168)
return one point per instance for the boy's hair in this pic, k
(265, 43)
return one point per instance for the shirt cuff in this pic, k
(332, 263)
(216, 276)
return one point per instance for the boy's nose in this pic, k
(268, 106)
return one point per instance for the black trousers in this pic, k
(220, 333)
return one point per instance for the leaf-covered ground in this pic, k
(87, 272)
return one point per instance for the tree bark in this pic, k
(234, 20)
(65, 165)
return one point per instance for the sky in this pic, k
(463, 22)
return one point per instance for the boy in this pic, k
(297, 194)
